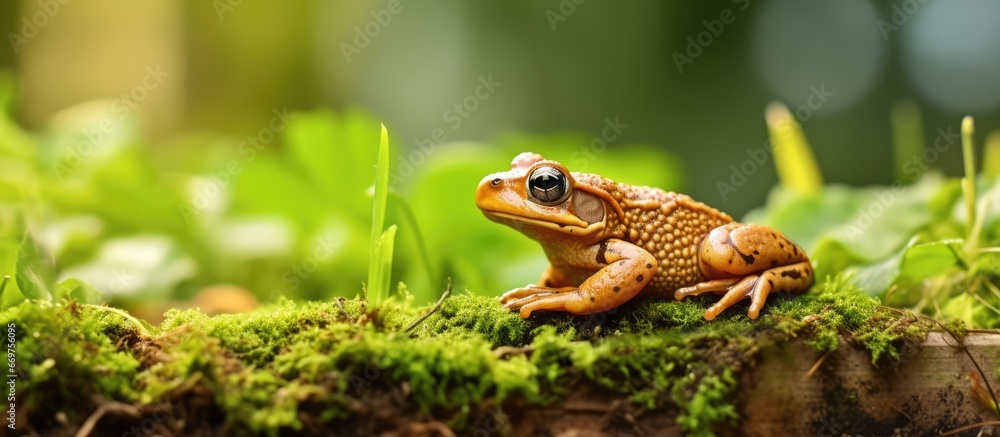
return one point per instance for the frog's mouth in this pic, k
(579, 227)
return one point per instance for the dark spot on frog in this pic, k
(748, 258)
(770, 282)
(617, 289)
(591, 298)
(649, 266)
(548, 283)
(794, 274)
(601, 253)
(638, 278)
(774, 263)
(756, 252)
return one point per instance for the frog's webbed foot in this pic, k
(520, 298)
(748, 261)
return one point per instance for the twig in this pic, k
(968, 427)
(960, 346)
(437, 306)
(108, 407)
(504, 351)
(964, 349)
(3, 286)
(819, 362)
(900, 411)
(440, 428)
(974, 362)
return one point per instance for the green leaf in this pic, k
(877, 277)
(383, 269)
(332, 154)
(380, 263)
(81, 291)
(915, 261)
(34, 273)
(931, 259)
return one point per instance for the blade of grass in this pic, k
(907, 137)
(797, 168)
(383, 253)
(969, 185)
(376, 289)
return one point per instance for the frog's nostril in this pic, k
(495, 182)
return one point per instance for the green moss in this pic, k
(291, 366)
(66, 355)
(467, 316)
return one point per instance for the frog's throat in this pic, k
(581, 228)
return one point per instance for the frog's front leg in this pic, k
(624, 270)
(551, 282)
(748, 261)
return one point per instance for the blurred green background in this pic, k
(159, 149)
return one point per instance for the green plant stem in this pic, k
(796, 165)
(381, 243)
(437, 306)
(969, 184)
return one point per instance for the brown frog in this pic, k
(608, 242)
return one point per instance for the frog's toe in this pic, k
(528, 291)
(516, 304)
(713, 286)
(541, 298)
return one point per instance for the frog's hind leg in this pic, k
(748, 261)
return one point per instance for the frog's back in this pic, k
(669, 226)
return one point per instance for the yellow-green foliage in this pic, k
(264, 370)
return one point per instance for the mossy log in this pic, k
(795, 390)
(828, 363)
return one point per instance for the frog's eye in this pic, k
(548, 186)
